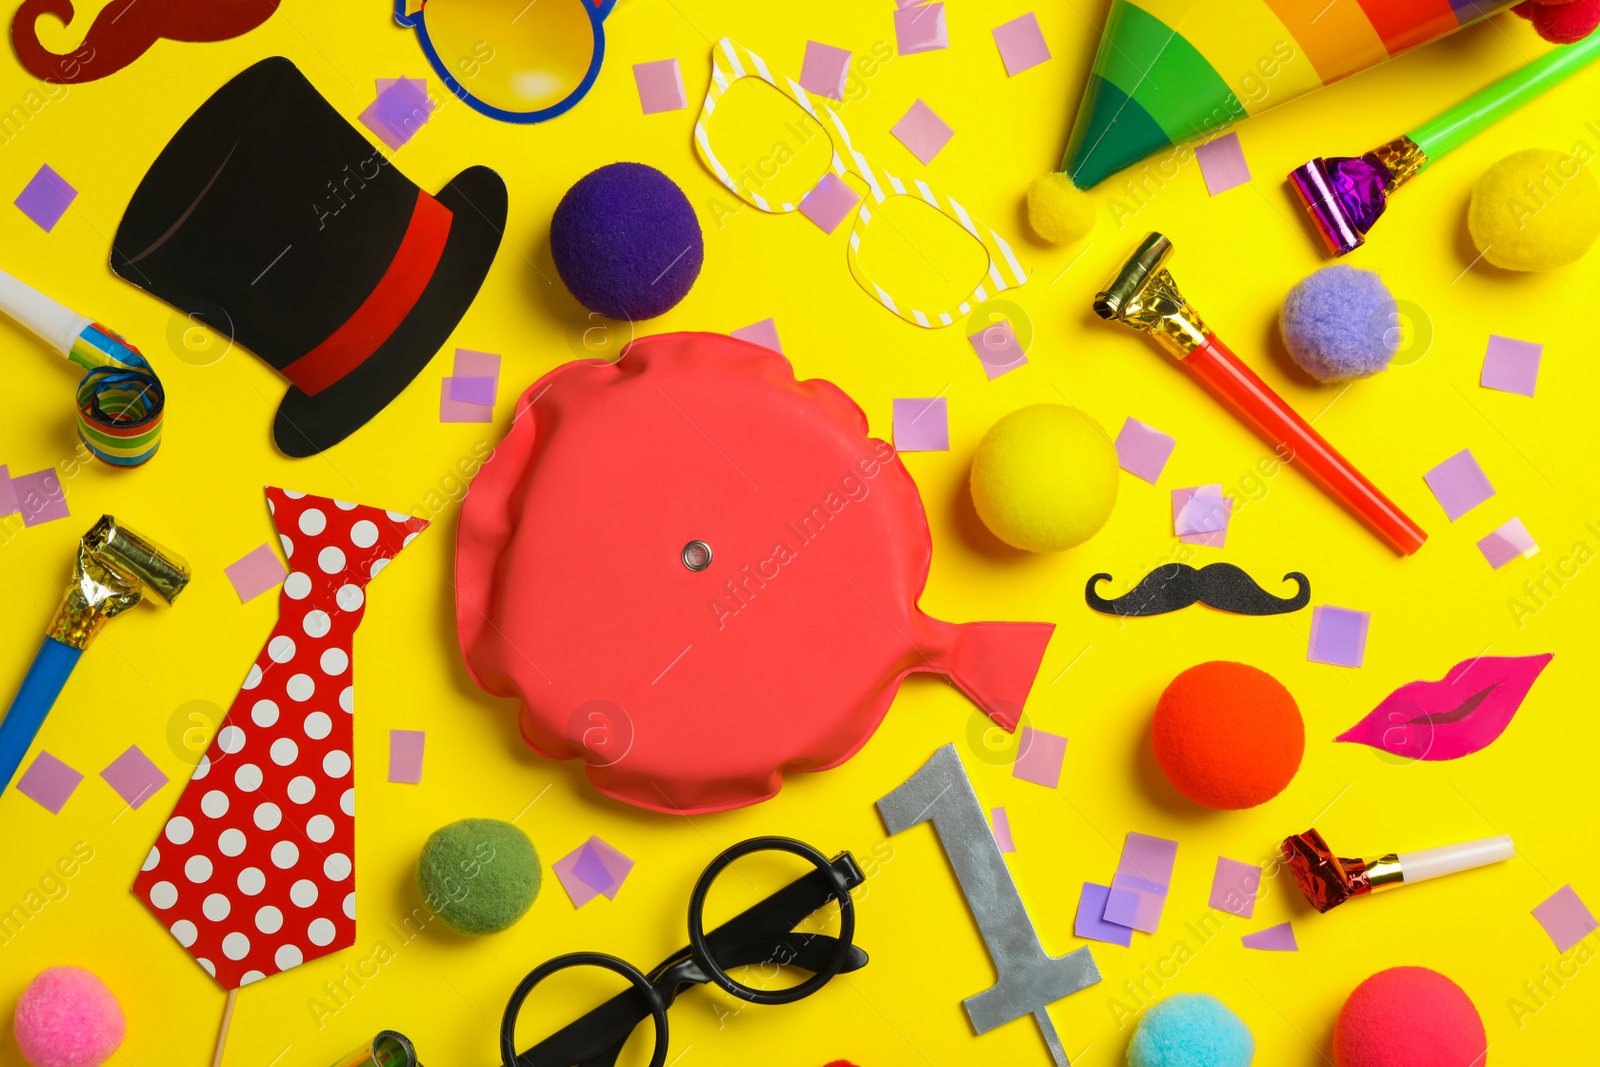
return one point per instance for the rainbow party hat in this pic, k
(1170, 71)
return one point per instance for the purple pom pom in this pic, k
(1340, 323)
(626, 242)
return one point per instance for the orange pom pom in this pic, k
(1228, 735)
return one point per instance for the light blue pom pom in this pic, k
(1191, 1030)
(1340, 323)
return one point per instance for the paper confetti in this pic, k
(829, 202)
(473, 390)
(405, 756)
(401, 109)
(922, 425)
(595, 860)
(1002, 830)
(1039, 759)
(763, 333)
(921, 131)
(40, 497)
(1126, 907)
(1234, 887)
(49, 782)
(660, 85)
(257, 572)
(1021, 44)
(1511, 366)
(1200, 515)
(1145, 870)
(1143, 450)
(1510, 541)
(1338, 636)
(1278, 938)
(46, 198)
(470, 364)
(920, 29)
(8, 493)
(134, 777)
(825, 70)
(1459, 484)
(1223, 164)
(453, 410)
(1566, 918)
(1091, 924)
(998, 349)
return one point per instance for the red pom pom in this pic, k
(1228, 735)
(1409, 1017)
(1525, 9)
(1566, 23)
(839, 1063)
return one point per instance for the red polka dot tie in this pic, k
(254, 873)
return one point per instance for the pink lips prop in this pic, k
(1453, 717)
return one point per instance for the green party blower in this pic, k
(1345, 196)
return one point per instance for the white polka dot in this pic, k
(320, 931)
(230, 739)
(350, 597)
(316, 623)
(347, 699)
(163, 895)
(297, 585)
(377, 565)
(397, 516)
(236, 946)
(336, 867)
(331, 559)
(252, 881)
(292, 494)
(334, 661)
(211, 968)
(318, 725)
(281, 648)
(250, 977)
(252, 679)
(272, 506)
(216, 907)
(201, 769)
(231, 841)
(288, 956)
(300, 687)
(247, 778)
(197, 869)
(347, 802)
(336, 764)
(214, 804)
(410, 537)
(268, 816)
(302, 789)
(288, 545)
(364, 534)
(269, 920)
(285, 854)
(313, 521)
(179, 830)
(303, 893)
(344, 505)
(350, 905)
(151, 860)
(284, 751)
(264, 713)
(319, 828)
(186, 932)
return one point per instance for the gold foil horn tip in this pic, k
(115, 568)
(1143, 295)
(158, 572)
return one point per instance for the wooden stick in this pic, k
(227, 1021)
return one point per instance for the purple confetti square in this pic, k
(1143, 450)
(49, 782)
(1223, 164)
(1147, 899)
(134, 777)
(1199, 510)
(405, 756)
(1002, 830)
(400, 110)
(1123, 907)
(825, 70)
(473, 390)
(998, 349)
(1459, 484)
(470, 364)
(453, 410)
(660, 84)
(921, 131)
(40, 497)
(1091, 924)
(1511, 541)
(592, 869)
(1511, 366)
(1021, 44)
(580, 891)
(8, 493)
(1278, 938)
(46, 198)
(829, 202)
(922, 425)
(1338, 636)
(763, 333)
(616, 866)
(1566, 918)
(920, 29)
(1234, 887)
(1039, 757)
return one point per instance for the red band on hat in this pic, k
(390, 301)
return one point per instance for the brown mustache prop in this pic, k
(125, 29)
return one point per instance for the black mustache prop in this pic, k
(1177, 585)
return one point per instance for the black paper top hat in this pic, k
(271, 219)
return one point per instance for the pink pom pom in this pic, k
(68, 1018)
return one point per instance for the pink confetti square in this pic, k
(1507, 543)
(660, 85)
(41, 497)
(1143, 450)
(1566, 918)
(1234, 887)
(921, 131)
(1511, 366)
(1338, 636)
(8, 493)
(614, 864)
(257, 572)
(405, 756)
(1021, 44)
(1002, 830)
(1090, 923)
(134, 777)
(998, 349)
(1124, 907)
(825, 70)
(920, 29)
(1198, 510)
(49, 782)
(46, 198)
(1459, 484)
(1278, 938)
(763, 333)
(470, 364)
(1039, 759)
(1223, 164)
(922, 425)
(453, 410)
(829, 202)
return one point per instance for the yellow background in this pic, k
(1238, 254)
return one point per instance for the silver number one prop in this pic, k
(1030, 979)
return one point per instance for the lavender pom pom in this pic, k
(1340, 323)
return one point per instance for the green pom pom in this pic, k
(479, 875)
(1059, 211)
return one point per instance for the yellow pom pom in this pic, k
(1045, 478)
(1534, 210)
(1059, 211)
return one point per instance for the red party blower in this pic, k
(1143, 296)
